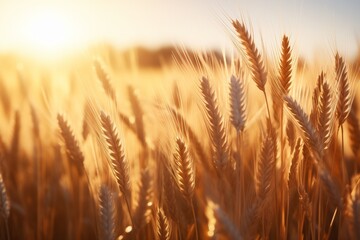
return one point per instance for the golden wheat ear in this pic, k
(184, 169)
(105, 80)
(264, 177)
(237, 103)
(73, 151)
(163, 227)
(326, 116)
(354, 131)
(216, 126)
(256, 63)
(343, 91)
(285, 66)
(119, 163)
(138, 114)
(186, 130)
(144, 205)
(117, 157)
(307, 130)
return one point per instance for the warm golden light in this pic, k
(48, 32)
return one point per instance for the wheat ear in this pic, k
(118, 160)
(309, 133)
(72, 147)
(162, 226)
(138, 113)
(185, 175)
(315, 114)
(107, 213)
(325, 115)
(184, 169)
(266, 167)
(4, 206)
(293, 173)
(257, 67)
(216, 124)
(343, 91)
(256, 64)
(285, 66)
(144, 201)
(116, 153)
(104, 78)
(352, 210)
(237, 103)
(354, 131)
(184, 127)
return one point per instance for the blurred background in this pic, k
(54, 28)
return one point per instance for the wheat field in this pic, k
(248, 146)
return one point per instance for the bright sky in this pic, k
(58, 25)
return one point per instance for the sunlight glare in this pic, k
(48, 32)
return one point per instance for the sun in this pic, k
(48, 32)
